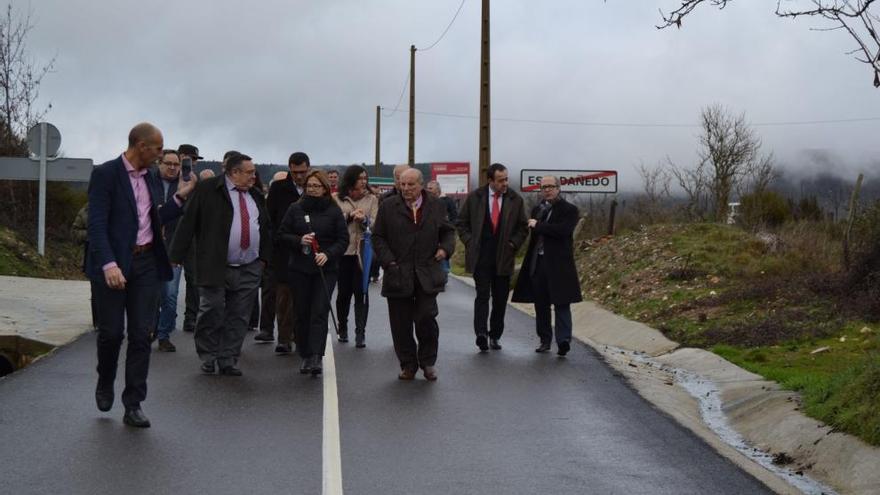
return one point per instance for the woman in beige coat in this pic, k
(359, 207)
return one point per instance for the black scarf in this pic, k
(311, 204)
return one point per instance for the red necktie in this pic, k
(245, 222)
(496, 211)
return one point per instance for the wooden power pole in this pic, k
(378, 130)
(412, 105)
(485, 131)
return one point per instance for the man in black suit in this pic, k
(548, 275)
(282, 194)
(126, 263)
(492, 226)
(191, 294)
(227, 220)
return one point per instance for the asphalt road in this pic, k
(510, 421)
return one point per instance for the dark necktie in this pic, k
(245, 221)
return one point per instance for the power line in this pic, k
(644, 125)
(402, 92)
(445, 30)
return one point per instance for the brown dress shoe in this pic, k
(165, 345)
(406, 375)
(430, 373)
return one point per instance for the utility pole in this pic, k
(378, 130)
(412, 105)
(485, 133)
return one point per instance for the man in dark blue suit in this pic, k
(126, 261)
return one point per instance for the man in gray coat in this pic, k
(411, 237)
(492, 226)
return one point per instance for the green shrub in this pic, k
(764, 209)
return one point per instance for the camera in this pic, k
(186, 168)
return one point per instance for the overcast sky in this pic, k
(270, 77)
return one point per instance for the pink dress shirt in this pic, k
(142, 201)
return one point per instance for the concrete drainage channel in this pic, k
(709, 398)
(17, 352)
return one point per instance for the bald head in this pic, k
(141, 133)
(144, 145)
(206, 174)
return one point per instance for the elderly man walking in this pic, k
(228, 221)
(411, 237)
(548, 274)
(126, 262)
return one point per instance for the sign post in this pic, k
(45, 138)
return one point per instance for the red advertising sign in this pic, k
(454, 177)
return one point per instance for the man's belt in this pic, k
(143, 248)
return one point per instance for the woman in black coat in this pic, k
(548, 274)
(315, 232)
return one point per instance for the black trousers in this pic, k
(267, 301)
(351, 285)
(136, 302)
(312, 306)
(192, 292)
(492, 286)
(420, 312)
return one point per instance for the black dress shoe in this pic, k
(208, 367)
(563, 348)
(359, 340)
(283, 348)
(264, 337)
(494, 344)
(306, 367)
(165, 345)
(482, 343)
(136, 417)
(104, 398)
(230, 371)
(544, 347)
(317, 369)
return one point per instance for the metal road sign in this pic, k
(53, 139)
(60, 170)
(572, 181)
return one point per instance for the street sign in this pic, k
(572, 181)
(60, 170)
(53, 139)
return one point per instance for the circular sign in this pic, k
(53, 139)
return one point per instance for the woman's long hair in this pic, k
(349, 179)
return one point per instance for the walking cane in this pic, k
(317, 249)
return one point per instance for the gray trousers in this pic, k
(224, 313)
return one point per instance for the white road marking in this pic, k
(331, 451)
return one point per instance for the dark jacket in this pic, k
(397, 239)
(451, 209)
(512, 231)
(207, 221)
(282, 194)
(168, 228)
(113, 221)
(328, 224)
(557, 230)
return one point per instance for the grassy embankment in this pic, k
(765, 305)
(19, 258)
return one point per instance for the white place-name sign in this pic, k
(572, 181)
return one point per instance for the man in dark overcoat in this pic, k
(492, 226)
(411, 237)
(228, 221)
(548, 274)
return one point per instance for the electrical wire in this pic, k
(445, 30)
(402, 92)
(644, 125)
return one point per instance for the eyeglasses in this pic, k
(549, 186)
(171, 164)
(314, 186)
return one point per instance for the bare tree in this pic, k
(20, 79)
(655, 185)
(758, 175)
(727, 147)
(856, 17)
(695, 184)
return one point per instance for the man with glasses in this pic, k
(168, 175)
(548, 274)
(282, 194)
(492, 226)
(228, 221)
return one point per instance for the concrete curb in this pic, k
(764, 415)
(48, 311)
